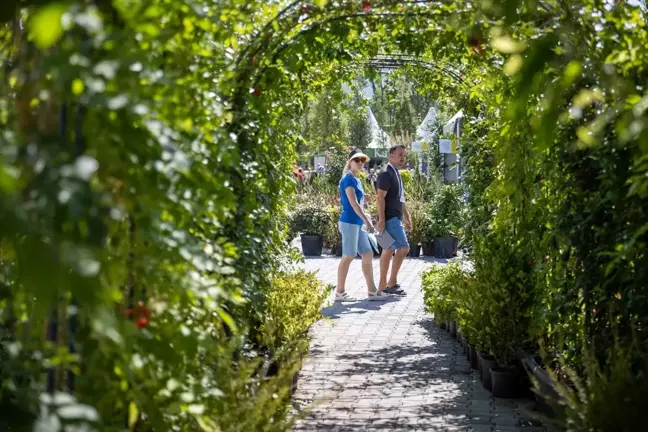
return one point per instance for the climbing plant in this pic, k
(146, 157)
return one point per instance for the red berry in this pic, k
(303, 9)
(142, 322)
(366, 6)
(128, 312)
(257, 92)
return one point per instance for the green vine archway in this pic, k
(187, 114)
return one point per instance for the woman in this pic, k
(355, 238)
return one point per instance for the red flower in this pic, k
(366, 6)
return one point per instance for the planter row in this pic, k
(441, 247)
(508, 383)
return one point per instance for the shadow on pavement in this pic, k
(424, 383)
(335, 310)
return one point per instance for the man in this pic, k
(392, 212)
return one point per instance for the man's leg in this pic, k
(385, 258)
(396, 265)
(396, 229)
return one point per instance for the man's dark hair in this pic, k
(396, 147)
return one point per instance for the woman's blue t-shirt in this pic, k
(348, 214)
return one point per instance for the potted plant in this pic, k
(446, 220)
(427, 230)
(504, 282)
(415, 234)
(311, 222)
(333, 238)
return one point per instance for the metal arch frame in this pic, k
(396, 60)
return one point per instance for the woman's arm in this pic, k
(353, 200)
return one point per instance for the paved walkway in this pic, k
(380, 366)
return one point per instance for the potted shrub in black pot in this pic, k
(504, 278)
(311, 222)
(333, 238)
(415, 234)
(427, 231)
(446, 220)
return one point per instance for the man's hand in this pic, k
(381, 226)
(408, 223)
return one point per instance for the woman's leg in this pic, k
(349, 234)
(366, 252)
(367, 270)
(343, 271)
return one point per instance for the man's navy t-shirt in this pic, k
(349, 215)
(388, 181)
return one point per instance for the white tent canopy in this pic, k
(426, 131)
(379, 138)
(450, 126)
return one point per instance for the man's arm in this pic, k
(383, 186)
(381, 210)
(406, 218)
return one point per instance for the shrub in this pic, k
(445, 212)
(506, 296)
(417, 216)
(607, 398)
(294, 304)
(440, 284)
(333, 238)
(310, 219)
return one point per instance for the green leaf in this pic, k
(507, 45)
(133, 415)
(46, 27)
(513, 65)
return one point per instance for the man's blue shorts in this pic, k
(395, 228)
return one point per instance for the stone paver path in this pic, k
(383, 366)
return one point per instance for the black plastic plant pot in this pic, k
(504, 382)
(546, 396)
(312, 245)
(428, 248)
(445, 247)
(474, 358)
(415, 251)
(487, 363)
(453, 329)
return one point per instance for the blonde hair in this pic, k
(346, 169)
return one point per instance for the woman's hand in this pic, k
(370, 227)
